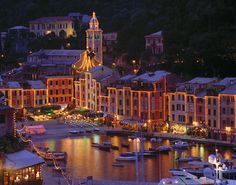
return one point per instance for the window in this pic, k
(69, 91)
(232, 111)
(56, 82)
(200, 109)
(63, 91)
(209, 111)
(209, 101)
(214, 102)
(120, 102)
(183, 107)
(51, 92)
(223, 110)
(173, 108)
(214, 112)
(63, 82)
(173, 97)
(56, 91)
(209, 123)
(160, 114)
(214, 122)
(69, 82)
(173, 117)
(178, 107)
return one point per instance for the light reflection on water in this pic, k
(84, 160)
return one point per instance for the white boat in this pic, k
(73, 132)
(128, 156)
(96, 129)
(153, 139)
(180, 145)
(181, 177)
(188, 159)
(164, 148)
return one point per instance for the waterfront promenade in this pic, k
(57, 130)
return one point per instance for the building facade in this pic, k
(205, 102)
(60, 89)
(154, 43)
(61, 26)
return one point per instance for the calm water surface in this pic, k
(84, 160)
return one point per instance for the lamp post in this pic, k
(228, 130)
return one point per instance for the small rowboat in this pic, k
(117, 164)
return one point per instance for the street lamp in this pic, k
(228, 130)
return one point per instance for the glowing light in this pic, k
(228, 129)
(48, 32)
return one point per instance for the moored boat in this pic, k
(74, 132)
(188, 159)
(164, 149)
(128, 156)
(95, 145)
(180, 145)
(117, 164)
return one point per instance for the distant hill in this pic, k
(202, 34)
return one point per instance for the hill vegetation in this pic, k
(199, 36)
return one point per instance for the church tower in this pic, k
(94, 38)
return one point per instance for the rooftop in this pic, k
(57, 52)
(36, 84)
(202, 80)
(159, 33)
(152, 76)
(127, 77)
(226, 81)
(22, 159)
(13, 85)
(51, 19)
(229, 90)
(58, 76)
(19, 28)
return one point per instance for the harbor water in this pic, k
(84, 160)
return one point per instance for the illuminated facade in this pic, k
(60, 89)
(62, 26)
(94, 38)
(204, 101)
(91, 86)
(28, 94)
(92, 57)
(141, 97)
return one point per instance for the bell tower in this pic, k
(94, 38)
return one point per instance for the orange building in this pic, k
(60, 89)
(141, 97)
(32, 93)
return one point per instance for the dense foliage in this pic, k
(199, 36)
(10, 144)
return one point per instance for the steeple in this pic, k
(94, 38)
(94, 24)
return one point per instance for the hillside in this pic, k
(199, 36)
